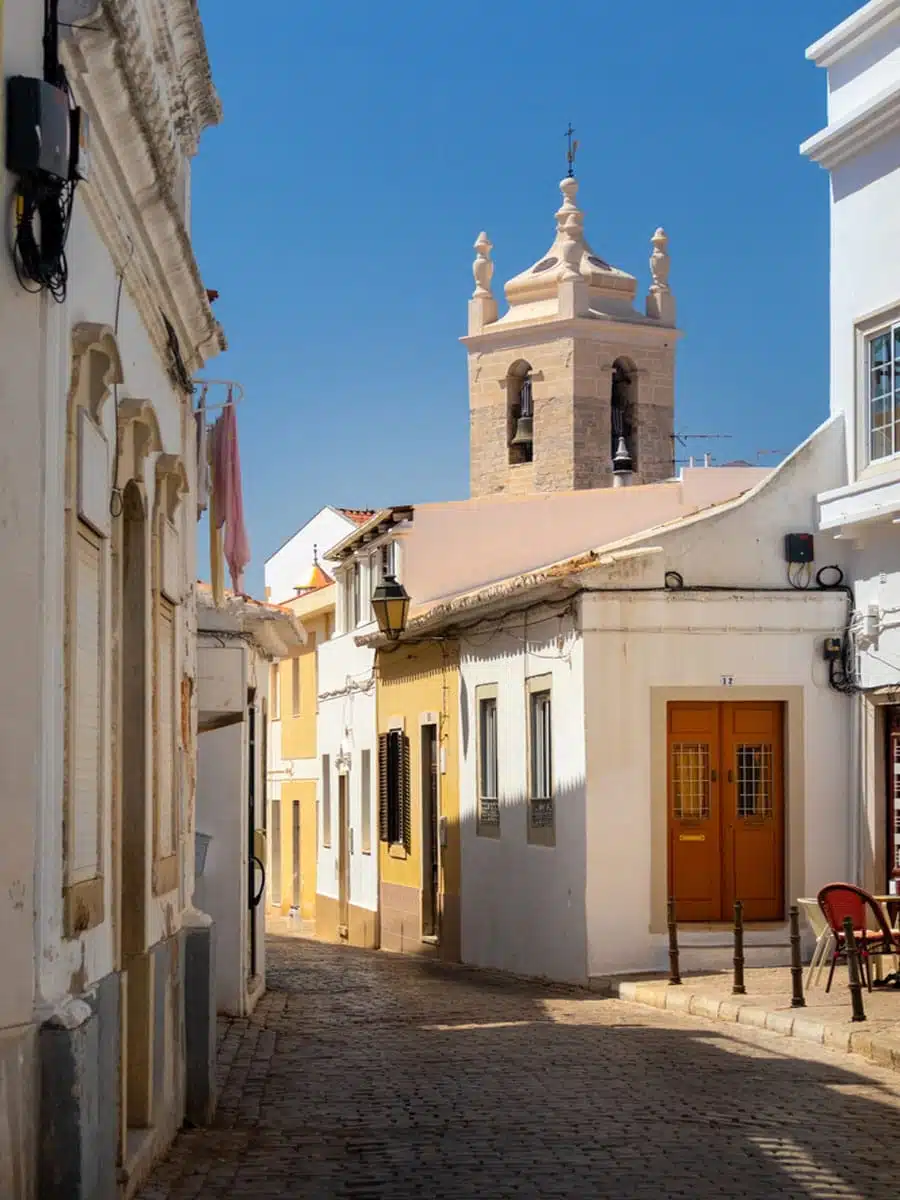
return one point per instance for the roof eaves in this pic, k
(364, 533)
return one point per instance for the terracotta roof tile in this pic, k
(358, 515)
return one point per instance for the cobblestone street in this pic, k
(367, 1075)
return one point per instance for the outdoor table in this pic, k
(891, 906)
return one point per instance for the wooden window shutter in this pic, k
(84, 844)
(383, 828)
(406, 816)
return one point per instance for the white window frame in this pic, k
(365, 800)
(296, 687)
(539, 741)
(275, 685)
(326, 800)
(890, 329)
(486, 695)
(352, 595)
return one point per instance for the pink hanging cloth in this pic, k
(237, 544)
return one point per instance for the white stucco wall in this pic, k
(640, 653)
(347, 719)
(595, 903)
(24, 395)
(643, 649)
(522, 905)
(222, 889)
(223, 762)
(861, 148)
(289, 565)
(92, 297)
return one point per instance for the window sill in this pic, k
(397, 850)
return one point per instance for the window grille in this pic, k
(690, 781)
(754, 780)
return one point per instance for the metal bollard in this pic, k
(738, 989)
(859, 1013)
(797, 999)
(674, 972)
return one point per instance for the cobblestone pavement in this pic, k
(367, 1075)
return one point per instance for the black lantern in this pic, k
(391, 604)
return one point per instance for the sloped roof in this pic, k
(316, 578)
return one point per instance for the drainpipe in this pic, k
(857, 790)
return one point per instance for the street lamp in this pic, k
(390, 603)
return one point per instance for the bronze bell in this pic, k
(524, 435)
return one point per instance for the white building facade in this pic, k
(648, 720)
(860, 148)
(98, 512)
(237, 646)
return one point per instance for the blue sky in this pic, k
(364, 147)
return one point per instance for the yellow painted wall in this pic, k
(304, 791)
(412, 681)
(298, 733)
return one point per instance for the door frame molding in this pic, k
(794, 789)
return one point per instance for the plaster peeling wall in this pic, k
(340, 661)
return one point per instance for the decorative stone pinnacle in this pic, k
(569, 189)
(572, 246)
(660, 301)
(659, 260)
(483, 268)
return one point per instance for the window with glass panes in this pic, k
(488, 797)
(883, 383)
(541, 746)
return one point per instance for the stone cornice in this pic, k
(135, 164)
(640, 330)
(856, 131)
(859, 28)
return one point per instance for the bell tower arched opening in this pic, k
(520, 413)
(623, 426)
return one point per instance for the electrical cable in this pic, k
(43, 203)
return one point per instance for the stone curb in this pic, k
(880, 1048)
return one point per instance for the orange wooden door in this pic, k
(752, 774)
(695, 859)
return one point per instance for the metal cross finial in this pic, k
(571, 152)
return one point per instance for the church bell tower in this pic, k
(572, 387)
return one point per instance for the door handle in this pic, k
(713, 776)
(730, 775)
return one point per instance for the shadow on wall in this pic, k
(548, 1079)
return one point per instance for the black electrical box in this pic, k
(798, 547)
(831, 649)
(38, 128)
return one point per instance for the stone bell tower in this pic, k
(572, 387)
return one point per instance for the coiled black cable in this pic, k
(43, 216)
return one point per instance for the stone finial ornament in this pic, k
(660, 301)
(572, 247)
(483, 268)
(569, 189)
(659, 259)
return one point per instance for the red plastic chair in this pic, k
(840, 900)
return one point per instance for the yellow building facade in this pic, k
(417, 703)
(293, 779)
